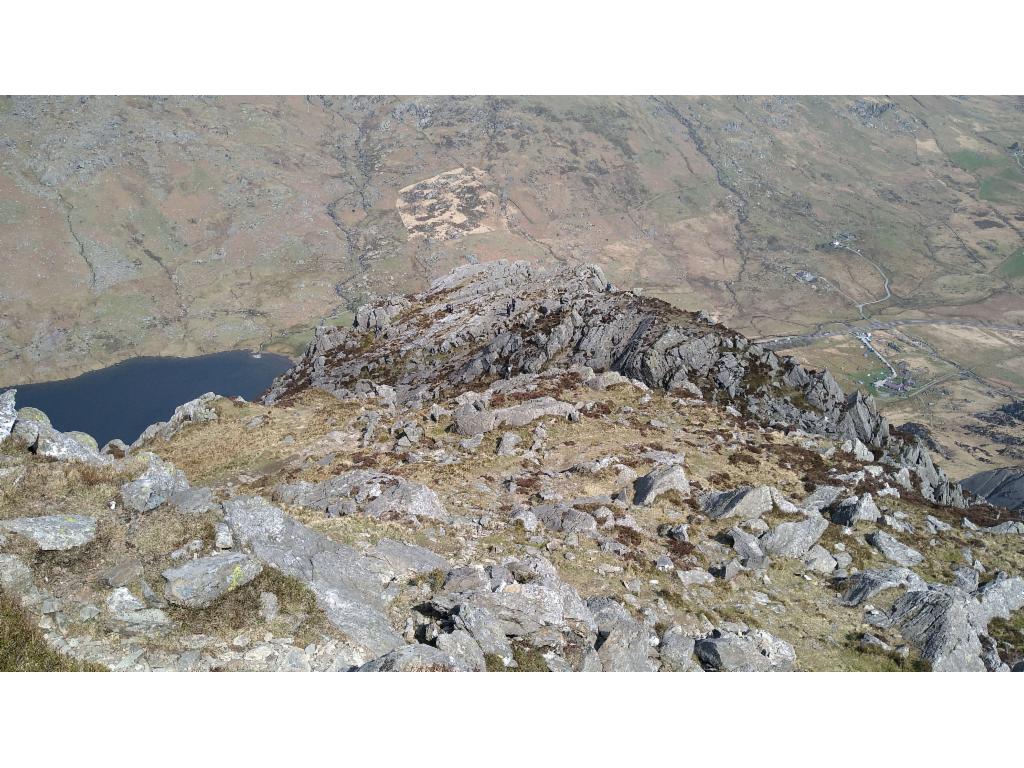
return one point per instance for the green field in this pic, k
(1013, 266)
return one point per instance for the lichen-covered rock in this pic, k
(623, 644)
(867, 583)
(408, 559)
(676, 652)
(193, 412)
(794, 538)
(199, 583)
(856, 509)
(347, 584)
(939, 622)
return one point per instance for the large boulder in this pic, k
(199, 583)
(754, 651)
(623, 644)
(743, 502)
(865, 584)
(856, 509)
(475, 417)
(795, 538)
(939, 623)
(676, 652)
(999, 598)
(658, 481)
(54, 532)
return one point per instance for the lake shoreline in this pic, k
(121, 400)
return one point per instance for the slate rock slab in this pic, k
(54, 532)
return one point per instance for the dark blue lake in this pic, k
(124, 399)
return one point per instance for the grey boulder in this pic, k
(54, 532)
(856, 509)
(866, 584)
(794, 539)
(659, 481)
(754, 651)
(744, 502)
(201, 582)
(158, 483)
(893, 549)
(623, 644)
(415, 658)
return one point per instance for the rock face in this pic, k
(54, 532)
(1002, 487)
(502, 319)
(200, 582)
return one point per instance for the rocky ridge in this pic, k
(486, 322)
(456, 484)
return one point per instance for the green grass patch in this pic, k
(972, 161)
(1000, 189)
(1013, 266)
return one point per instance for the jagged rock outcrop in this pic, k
(487, 321)
(193, 412)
